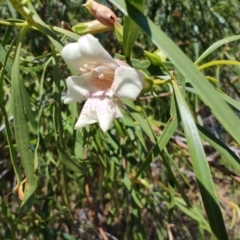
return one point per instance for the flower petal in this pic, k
(71, 55)
(86, 50)
(79, 88)
(99, 108)
(127, 83)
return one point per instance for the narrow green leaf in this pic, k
(216, 45)
(130, 34)
(67, 33)
(168, 164)
(192, 213)
(65, 190)
(160, 145)
(144, 124)
(69, 161)
(145, 65)
(21, 131)
(231, 101)
(5, 116)
(79, 145)
(57, 118)
(170, 128)
(32, 69)
(217, 63)
(28, 107)
(114, 197)
(127, 183)
(201, 168)
(171, 203)
(223, 149)
(167, 133)
(7, 217)
(6, 62)
(131, 30)
(12, 151)
(234, 103)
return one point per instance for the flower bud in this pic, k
(157, 58)
(161, 54)
(92, 27)
(103, 14)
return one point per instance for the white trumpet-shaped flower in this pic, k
(101, 82)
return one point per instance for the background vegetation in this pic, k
(168, 170)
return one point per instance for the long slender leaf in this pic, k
(231, 101)
(167, 133)
(201, 168)
(11, 148)
(224, 150)
(3, 57)
(130, 34)
(21, 132)
(166, 161)
(140, 120)
(28, 108)
(217, 63)
(216, 45)
(8, 218)
(68, 161)
(234, 103)
(131, 30)
(192, 213)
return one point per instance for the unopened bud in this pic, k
(92, 27)
(157, 58)
(161, 54)
(103, 14)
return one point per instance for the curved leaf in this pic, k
(224, 150)
(21, 131)
(131, 30)
(216, 45)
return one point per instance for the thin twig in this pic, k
(159, 95)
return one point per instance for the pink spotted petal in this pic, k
(99, 108)
(127, 83)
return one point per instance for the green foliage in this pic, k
(168, 169)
